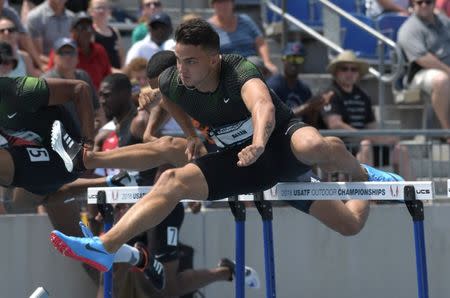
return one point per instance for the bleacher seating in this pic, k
(357, 39)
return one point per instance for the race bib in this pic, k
(233, 134)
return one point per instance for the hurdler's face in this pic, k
(195, 65)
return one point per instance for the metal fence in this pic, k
(414, 154)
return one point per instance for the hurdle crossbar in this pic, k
(293, 191)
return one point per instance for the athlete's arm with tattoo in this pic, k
(195, 147)
(79, 92)
(257, 98)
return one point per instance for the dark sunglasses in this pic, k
(9, 29)
(150, 4)
(348, 68)
(294, 59)
(427, 2)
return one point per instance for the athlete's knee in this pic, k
(172, 181)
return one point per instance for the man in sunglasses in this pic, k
(351, 109)
(425, 40)
(65, 67)
(292, 91)
(148, 8)
(92, 56)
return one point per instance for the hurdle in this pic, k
(409, 192)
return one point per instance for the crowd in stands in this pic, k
(50, 40)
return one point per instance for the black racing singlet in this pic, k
(225, 105)
(24, 109)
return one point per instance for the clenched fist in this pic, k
(149, 98)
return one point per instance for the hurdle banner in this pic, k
(293, 191)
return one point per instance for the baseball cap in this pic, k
(294, 49)
(64, 41)
(160, 17)
(6, 53)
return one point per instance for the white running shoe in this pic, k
(67, 148)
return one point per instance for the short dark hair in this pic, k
(198, 32)
(159, 62)
(118, 82)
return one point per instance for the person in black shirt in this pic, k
(350, 108)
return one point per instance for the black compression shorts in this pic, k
(276, 164)
(38, 169)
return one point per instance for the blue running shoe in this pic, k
(378, 175)
(87, 250)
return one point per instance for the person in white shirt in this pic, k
(160, 28)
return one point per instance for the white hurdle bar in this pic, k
(410, 192)
(385, 191)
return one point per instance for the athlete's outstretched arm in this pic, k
(257, 98)
(62, 90)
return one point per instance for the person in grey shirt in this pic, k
(66, 60)
(48, 22)
(425, 40)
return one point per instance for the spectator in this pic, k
(28, 5)
(238, 33)
(136, 71)
(7, 59)
(375, 8)
(65, 67)
(107, 36)
(292, 90)
(9, 34)
(425, 39)
(25, 40)
(92, 57)
(148, 8)
(443, 6)
(160, 29)
(350, 108)
(48, 22)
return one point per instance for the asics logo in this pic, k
(12, 115)
(89, 247)
(226, 100)
(68, 140)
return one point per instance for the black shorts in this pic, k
(276, 164)
(166, 234)
(38, 169)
